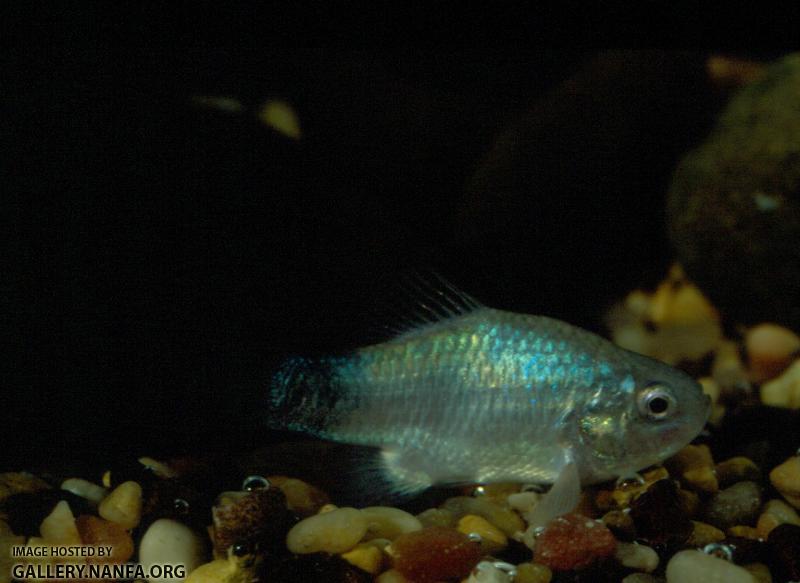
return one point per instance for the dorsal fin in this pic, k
(418, 300)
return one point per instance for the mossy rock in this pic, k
(734, 203)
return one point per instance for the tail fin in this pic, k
(303, 395)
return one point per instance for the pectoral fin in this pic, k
(562, 498)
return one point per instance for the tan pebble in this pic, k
(436, 517)
(221, 571)
(786, 479)
(366, 557)
(727, 370)
(333, 532)
(301, 497)
(387, 522)
(327, 508)
(523, 502)
(690, 457)
(697, 567)
(391, 576)
(783, 391)
(123, 505)
(628, 491)
(770, 349)
(702, 479)
(703, 534)
(690, 501)
(503, 518)
(169, 541)
(492, 538)
(533, 573)
(737, 469)
(635, 556)
(84, 489)
(775, 513)
(744, 531)
(760, 571)
(59, 526)
(711, 388)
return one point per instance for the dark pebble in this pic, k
(659, 515)
(746, 550)
(784, 553)
(313, 567)
(260, 520)
(733, 506)
(26, 510)
(173, 498)
(515, 553)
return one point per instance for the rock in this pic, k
(760, 572)
(697, 567)
(437, 517)
(302, 498)
(20, 482)
(734, 209)
(95, 531)
(258, 517)
(389, 523)
(524, 502)
(620, 524)
(783, 391)
(738, 504)
(737, 469)
(123, 505)
(170, 542)
(635, 556)
(626, 490)
(533, 573)
(232, 569)
(333, 532)
(573, 541)
(391, 576)
(503, 518)
(775, 513)
(786, 479)
(784, 552)
(711, 388)
(703, 534)
(743, 531)
(676, 323)
(492, 538)
(59, 528)
(660, 516)
(488, 572)
(434, 553)
(695, 467)
(85, 489)
(366, 557)
(770, 349)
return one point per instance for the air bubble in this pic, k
(475, 537)
(630, 481)
(255, 483)
(506, 568)
(719, 550)
(479, 491)
(181, 506)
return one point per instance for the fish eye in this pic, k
(656, 402)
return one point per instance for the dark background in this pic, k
(163, 257)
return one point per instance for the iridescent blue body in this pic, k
(488, 396)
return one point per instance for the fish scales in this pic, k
(490, 395)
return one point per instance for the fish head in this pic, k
(642, 412)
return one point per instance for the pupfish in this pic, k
(473, 394)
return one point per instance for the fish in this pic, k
(467, 394)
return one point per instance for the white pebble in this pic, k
(389, 523)
(698, 567)
(523, 502)
(639, 557)
(333, 532)
(84, 489)
(170, 542)
(486, 572)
